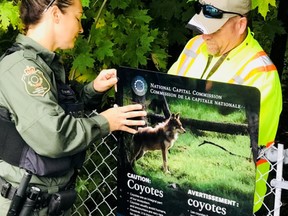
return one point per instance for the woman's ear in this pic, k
(56, 14)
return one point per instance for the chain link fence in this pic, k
(97, 182)
(275, 200)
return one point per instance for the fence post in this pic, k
(275, 182)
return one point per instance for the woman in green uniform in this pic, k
(45, 112)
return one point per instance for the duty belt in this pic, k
(58, 202)
(8, 192)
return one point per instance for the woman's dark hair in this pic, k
(31, 10)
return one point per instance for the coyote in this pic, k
(161, 137)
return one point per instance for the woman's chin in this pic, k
(68, 46)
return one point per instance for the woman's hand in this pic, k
(105, 80)
(119, 118)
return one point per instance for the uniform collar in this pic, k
(32, 45)
(234, 52)
(248, 40)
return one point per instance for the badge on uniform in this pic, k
(35, 82)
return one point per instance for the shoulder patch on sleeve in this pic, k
(35, 82)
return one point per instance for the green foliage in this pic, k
(263, 6)
(9, 23)
(85, 3)
(171, 17)
(9, 15)
(118, 33)
(133, 33)
(266, 31)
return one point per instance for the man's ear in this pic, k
(242, 22)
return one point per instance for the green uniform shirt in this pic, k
(28, 89)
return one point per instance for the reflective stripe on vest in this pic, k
(259, 62)
(252, 67)
(190, 54)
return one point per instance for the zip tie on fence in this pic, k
(279, 184)
(271, 154)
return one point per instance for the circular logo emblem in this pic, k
(139, 86)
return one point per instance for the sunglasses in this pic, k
(49, 5)
(210, 11)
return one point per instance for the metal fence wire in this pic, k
(97, 182)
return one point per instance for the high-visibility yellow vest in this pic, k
(249, 65)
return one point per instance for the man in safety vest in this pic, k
(228, 52)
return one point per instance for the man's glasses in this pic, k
(210, 11)
(49, 5)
